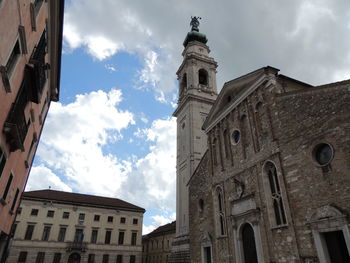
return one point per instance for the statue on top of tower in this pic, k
(195, 23)
(194, 34)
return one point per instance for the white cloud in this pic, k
(42, 177)
(306, 41)
(152, 181)
(101, 47)
(73, 140)
(158, 220)
(111, 68)
(73, 144)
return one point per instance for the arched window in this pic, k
(248, 240)
(203, 77)
(226, 144)
(271, 173)
(262, 123)
(183, 84)
(245, 135)
(221, 212)
(214, 151)
(245, 130)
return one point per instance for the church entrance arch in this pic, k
(331, 234)
(248, 242)
(74, 258)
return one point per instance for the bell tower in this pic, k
(197, 94)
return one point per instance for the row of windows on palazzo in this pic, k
(79, 235)
(322, 154)
(41, 258)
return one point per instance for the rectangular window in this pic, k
(96, 217)
(19, 210)
(2, 161)
(132, 259)
(133, 238)
(110, 219)
(91, 258)
(121, 238)
(57, 258)
(34, 212)
(29, 232)
(119, 258)
(81, 216)
(30, 154)
(46, 233)
(135, 221)
(105, 258)
(41, 115)
(22, 38)
(62, 234)
(65, 215)
(9, 181)
(108, 237)
(14, 200)
(11, 62)
(94, 234)
(122, 220)
(22, 256)
(40, 257)
(50, 213)
(79, 235)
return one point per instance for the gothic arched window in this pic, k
(220, 211)
(226, 144)
(203, 77)
(277, 203)
(214, 151)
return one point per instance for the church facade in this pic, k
(272, 182)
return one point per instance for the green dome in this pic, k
(195, 36)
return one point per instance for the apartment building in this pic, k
(30, 62)
(55, 226)
(156, 246)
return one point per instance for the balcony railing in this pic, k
(77, 246)
(15, 128)
(38, 61)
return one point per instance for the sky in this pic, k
(112, 132)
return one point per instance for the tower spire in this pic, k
(194, 34)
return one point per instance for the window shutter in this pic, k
(30, 84)
(5, 79)
(32, 16)
(22, 39)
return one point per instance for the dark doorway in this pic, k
(336, 246)
(207, 254)
(249, 248)
(74, 258)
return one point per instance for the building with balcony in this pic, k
(156, 246)
(30, 62)
(55, 226)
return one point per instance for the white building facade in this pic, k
(54, 226)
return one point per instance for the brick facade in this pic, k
(30, 61)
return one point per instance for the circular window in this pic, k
(236, 137)
(323, 154)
